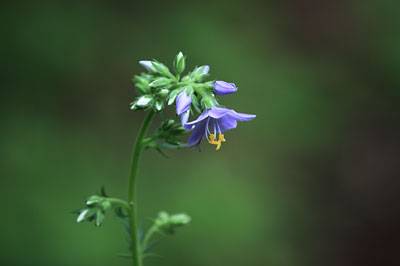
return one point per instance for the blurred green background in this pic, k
(313, 180)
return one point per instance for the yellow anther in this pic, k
(212, 139)
(221, 139)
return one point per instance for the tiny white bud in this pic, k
(148, 65)
(82, 216)
(143, 101)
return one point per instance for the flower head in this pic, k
(213, 121)
(222, 87)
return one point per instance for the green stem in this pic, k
(148, 235)
(136, 250)
(120, 202)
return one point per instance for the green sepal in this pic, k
(160, 82)
(161, 68)
(99, 217)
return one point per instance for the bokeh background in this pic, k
(313, 180)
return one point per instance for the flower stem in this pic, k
(135, 248)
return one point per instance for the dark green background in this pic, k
(313, 180)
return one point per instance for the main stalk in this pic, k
(136, 249)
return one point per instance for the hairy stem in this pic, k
(136, 249)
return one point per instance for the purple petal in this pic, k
(188, 126)
(241, 116)
(226, 123)
(185, 117)
(217, 112)
(198, 133)
(222, 87)
(183, 102)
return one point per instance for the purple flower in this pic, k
(183, 102)
(222, 87)
(213, 121)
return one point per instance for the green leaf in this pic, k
(103, 191)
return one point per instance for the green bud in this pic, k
(179, 63)
(199, 73)
(141, 80)
(99, 217)
(161, 68)
(160, 82)
(158, 106)
(179, 219)
(93, 200)
(142, 84)
(167, 223)
(106, 205)
(172, 96)
(163, 92)
(143, 101)
(86, 214)
(162, 218)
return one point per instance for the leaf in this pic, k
(140, 234)
(103, 192)
(162, 153)
(124, 255)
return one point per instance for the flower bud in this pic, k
(160, 82)
(144, 101)
(183, 102)
(158, 106)
(222, 87)
(179, 63)
(200, 72)
(179, 219)
(142, 84)
(163, 92)
(93, 200)
(161, 68)
(172, 96)
(147, 65)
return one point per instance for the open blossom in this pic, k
(222, 87)
(213, 121)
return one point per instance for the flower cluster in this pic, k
(191, 95)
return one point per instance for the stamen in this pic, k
(207, 130)
(221, 139)
(212, 140)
